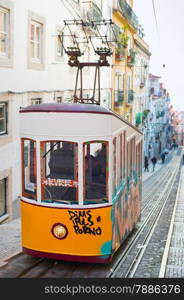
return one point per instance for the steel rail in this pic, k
(121, 259)
(132, 269)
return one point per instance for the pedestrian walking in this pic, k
(163, 157)
(154, 161)
(149, 151)
(146, 164)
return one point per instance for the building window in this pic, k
(36, 101)
(3, 118)
(6, 30)
(36, 41)
(2, 196)
(4, 21)
(59, 44)
(119, 86)
(59, 99)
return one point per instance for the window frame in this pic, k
(5, 32)
(43, 168)
(59, 56)
(119, 87)
(124, 154)
(107, 173)
(36, 100)
(33, 19)
(6, 58)
(26, 193)
(114, 164)
(5, 118)
(36, 41)
(59, 99)
(4, 182)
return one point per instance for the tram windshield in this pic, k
(59, 172)
(95, 166)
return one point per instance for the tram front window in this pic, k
(59, 172)
(95, 165)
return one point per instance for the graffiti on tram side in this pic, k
(126, 210)
(83, 222)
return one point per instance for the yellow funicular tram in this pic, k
(81, 184)
(81, 174)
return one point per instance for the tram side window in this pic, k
(131, 150)
(29, 169)
(118, 161)
(132, 154)
(128, 159)
(141, 153)
(95, 170)
(59, 172)
(121, 156)
(139, 159)
(114, 163)
(136, 161)
(124, 154)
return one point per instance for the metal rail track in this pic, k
(142, 236)
(160, 182)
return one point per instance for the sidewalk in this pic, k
(10, 238)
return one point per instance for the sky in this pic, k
(166, 42)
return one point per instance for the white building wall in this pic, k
(25, 83)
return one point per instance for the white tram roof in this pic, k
(71, 119)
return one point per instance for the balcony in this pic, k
(138, 119)
(118, 97)
(131, 58)
(142, 82)
(124, 8)
(93, 14)
(130, 96)
(120, 53)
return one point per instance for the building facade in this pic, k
(130, 63)
(156, 120)
(126, 25)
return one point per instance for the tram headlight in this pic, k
(59, 231)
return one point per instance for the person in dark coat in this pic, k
(154, 161)
(146, 164)
(163, 157)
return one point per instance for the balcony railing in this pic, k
(93, 14)
(126, 11)
(118, 97)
